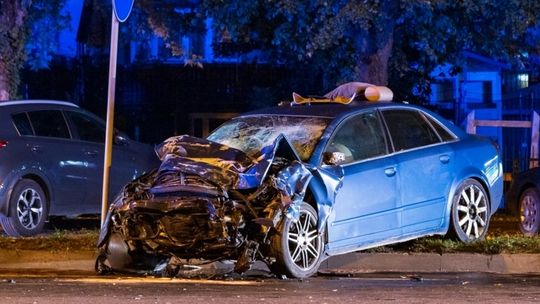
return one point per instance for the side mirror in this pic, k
(333, 158)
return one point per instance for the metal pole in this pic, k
(110, 118)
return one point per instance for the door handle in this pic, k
(444, 159)
(35, 149)
(390, 171)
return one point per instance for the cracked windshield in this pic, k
(250, 134)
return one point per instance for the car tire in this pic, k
(529, 212)
(298, 246)
(470, 212)
(28, 210)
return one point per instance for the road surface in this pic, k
(86, 288)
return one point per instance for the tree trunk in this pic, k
(12, 41)
(373, 68)
(376, 44)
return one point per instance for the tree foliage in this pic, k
(169, 20)
(22, 21)
(379, 41)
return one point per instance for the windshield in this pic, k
(250, 134)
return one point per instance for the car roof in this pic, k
(326, 110)
(36, 102)
(338, 111)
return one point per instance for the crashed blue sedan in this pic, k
(295, 184)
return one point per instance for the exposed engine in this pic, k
(168, 213)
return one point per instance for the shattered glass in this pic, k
(251, 133)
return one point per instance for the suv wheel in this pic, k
(27, 210)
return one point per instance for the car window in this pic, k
(358, 138)
(408, 129)
(88, 128)
(49, 123)
(443, 133)
(22, 124)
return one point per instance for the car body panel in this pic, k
(363, 209)
(423, 206)
(394, 196)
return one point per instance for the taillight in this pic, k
(3, 143)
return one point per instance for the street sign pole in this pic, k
(110, 117)
(121, 11)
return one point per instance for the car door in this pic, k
(61, 160)
(424, 163)
(365, 208)
(90, 137)
(90, 132)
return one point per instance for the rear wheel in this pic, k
(470, 211)
(27, 210)
(298, 246)
(529, 212)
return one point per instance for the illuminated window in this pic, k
(523, 80)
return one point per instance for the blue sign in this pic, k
(122, 9)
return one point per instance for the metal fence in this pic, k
(154, 101)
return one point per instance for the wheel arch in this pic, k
(40, 180)
(514, 208)
(452, 193)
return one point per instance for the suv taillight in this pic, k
(3, 143)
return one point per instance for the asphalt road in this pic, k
(456, 288)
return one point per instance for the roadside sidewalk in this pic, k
(32, 261)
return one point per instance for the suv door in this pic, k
(90, 134)
(424, 164)
(61, 160)
(365, 208)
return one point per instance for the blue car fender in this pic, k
(13, 177)
(325, 186)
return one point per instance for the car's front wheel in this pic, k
(27, 210)
(470, 211)
(529, 212)
(298, 246)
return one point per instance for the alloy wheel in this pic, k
(472, 211)
(528, 212)
(304, 241)
(29, 208)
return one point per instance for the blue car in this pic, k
(295, 184)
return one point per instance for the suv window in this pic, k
(22, 124)
(49, 123)
(360, 137)
(87, 127)
(408, 129)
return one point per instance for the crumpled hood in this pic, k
(224, 166)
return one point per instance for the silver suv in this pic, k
(51, 163)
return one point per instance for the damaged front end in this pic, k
(206, 202)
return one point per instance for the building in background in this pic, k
(495, 91)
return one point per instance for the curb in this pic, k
(29, 261)
(432, 262)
